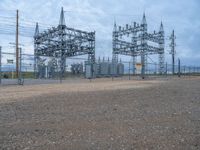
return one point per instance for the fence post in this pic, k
(166, 69)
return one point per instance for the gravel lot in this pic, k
(102, 114)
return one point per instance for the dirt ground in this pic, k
(102, 114)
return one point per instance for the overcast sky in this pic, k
(181, 15)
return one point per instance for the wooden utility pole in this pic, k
(179, 68)
(173, 52)
(17, 44)
(0, 65)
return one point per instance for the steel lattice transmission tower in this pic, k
(62, 42)
(138, 45)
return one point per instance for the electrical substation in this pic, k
(56, 52)
(137, 43)
(99, 75)
(59, 43)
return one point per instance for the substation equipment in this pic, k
(107, 68)
(77, 68)
(58, 44)
(133, 40)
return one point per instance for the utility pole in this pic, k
(0, 64)
(17, 44)
(179, 68)
(173, 52)
(129, 71)
(20, 67)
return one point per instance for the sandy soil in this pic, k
(102, 114)
(10, 93)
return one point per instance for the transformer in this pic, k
(77, 68)
(90, 70)
(104, 68)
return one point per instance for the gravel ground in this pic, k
(103, 114)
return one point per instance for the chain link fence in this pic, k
(49, 70)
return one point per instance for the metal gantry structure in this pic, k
(133, 40)
(62, 42)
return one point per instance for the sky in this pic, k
(98, 15)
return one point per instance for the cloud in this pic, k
(182, 16)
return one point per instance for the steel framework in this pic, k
(61, 42)
(138, 44)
